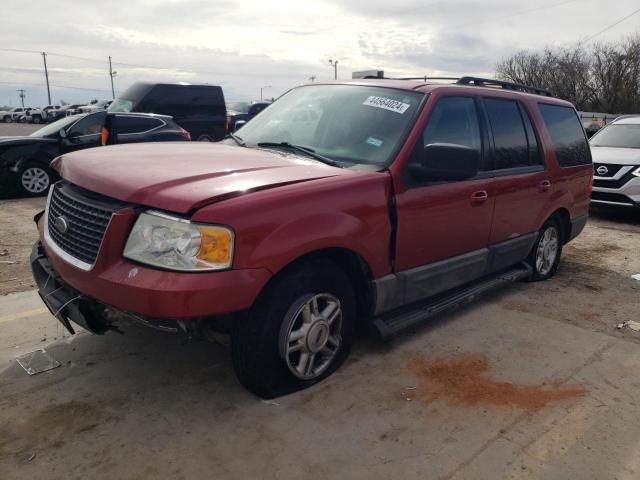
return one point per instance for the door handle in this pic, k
(479, 197)
(545, 185)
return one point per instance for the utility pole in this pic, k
(111, 75)
(22, 93)
(266, 86)
(334, 64)
(46, 75)
(312, 78)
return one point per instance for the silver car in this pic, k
(616, 162)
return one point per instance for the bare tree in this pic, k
(604, 78)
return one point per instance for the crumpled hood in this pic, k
(183, 176)
(616, 156)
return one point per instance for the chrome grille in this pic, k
(77, 221)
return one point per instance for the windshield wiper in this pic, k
(310, 152)
(237, 139)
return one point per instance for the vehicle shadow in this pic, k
(629, 216)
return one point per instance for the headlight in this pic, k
(178, 244)
(636, 172)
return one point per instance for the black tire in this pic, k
(36, 119)
(542, 270)
(7, 119)
(34, 179)
(205, 138)
(258, 339)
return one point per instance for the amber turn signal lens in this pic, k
(216, 245)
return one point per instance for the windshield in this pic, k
(348, 123)
(617, 135)
(54, 128)
(240, 107)
(121, 105)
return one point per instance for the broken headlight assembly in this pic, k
(175, 243)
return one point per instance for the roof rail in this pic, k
(426, 79)
(488, 82)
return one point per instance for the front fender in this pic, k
(295, 239)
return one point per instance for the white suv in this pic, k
(616, 162)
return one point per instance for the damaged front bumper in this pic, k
(70, 306)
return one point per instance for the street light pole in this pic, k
(266, 86)
(22, 94)
(334, 64)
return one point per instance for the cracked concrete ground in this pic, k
(146, 405)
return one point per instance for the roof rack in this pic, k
(475, 81)
(488, 82)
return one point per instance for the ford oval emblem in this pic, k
(61, 224)
(602, 170)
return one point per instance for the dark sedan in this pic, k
(24, 161)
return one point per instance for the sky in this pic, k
(246, 45)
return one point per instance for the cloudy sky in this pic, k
(247, 44)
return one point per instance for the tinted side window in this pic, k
(567, 135)
(126, 124)
(453, 120)
(511, 148)
(534, 150)
(89, 125)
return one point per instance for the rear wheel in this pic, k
(36, 119)
(34, 180)
(205, 138)
(7, 119)
(545, 255)
(299, 331)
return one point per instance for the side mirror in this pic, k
(63, 133)
(445, 162)
(239, 124)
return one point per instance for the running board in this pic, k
(394, 322)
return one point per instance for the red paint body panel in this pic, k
(274, 227)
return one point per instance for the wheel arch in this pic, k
(564, 218)
(350, 262)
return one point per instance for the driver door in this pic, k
(85, 133)
(443, 227)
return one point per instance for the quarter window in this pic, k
(511, 142)
(567, 135)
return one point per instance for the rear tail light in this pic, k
(184, 134)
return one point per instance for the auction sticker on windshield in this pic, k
(387, 104)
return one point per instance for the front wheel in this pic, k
(298, 332)
(545, 254)
(36, 119)
(7, 119)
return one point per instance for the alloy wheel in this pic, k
(310, 337)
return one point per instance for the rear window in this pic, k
(567, 135)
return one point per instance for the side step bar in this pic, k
(394, 322)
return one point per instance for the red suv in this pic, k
(381, 202)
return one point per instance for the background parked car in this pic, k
(24, 161)
(616, 163)
(239, 113)
(43, 115)
(199, 109)
(95, 107)
(8, 116)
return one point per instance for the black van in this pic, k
(199, 109)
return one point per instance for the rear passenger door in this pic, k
(522, 186)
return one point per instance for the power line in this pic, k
(611, 26)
